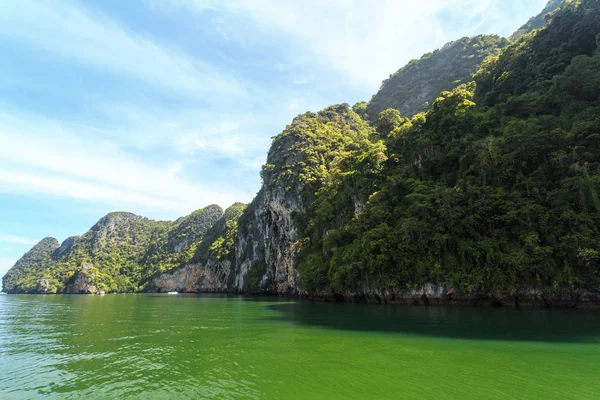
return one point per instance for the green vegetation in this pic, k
(219, 241)
(539, 20)
(318, 148)
(175, 246)
(494, 190)
(254, 276)
(120, 253)
(26, 271)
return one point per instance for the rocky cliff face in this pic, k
(412, 88)
(265, 251)
(211, 268)
(83, 281)
(263, 259)
(308, 154)
(269, 232)
(196, 278)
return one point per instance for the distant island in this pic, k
(471, 177)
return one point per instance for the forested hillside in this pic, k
(491, 191)
(118, 254)
(494, 190)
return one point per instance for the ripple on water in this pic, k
(138, 346)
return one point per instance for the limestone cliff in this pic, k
(265, 241)
(210, 268)
(303, 159)
(416, 86)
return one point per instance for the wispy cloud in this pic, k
(17, 240)
(236, 135)
(219, 139)
(362, 39)
(80, 35)
(40, 156)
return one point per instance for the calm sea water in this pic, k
(161, 346)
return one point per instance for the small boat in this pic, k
(172, 292)
(101, 293)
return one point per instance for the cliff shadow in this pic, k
(539, 325)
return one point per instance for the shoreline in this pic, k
(589, 301)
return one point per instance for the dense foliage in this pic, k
(219, 241)
(492, 192)
(120, 253)
(414, 87)
(28, 269)
(319, 147)
(175, 245)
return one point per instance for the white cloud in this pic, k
(17, 239)
(93, 39)
(175, 167)
(102, 160)
(40, 156)
(363, 39)
(233, 134)
(226, 145)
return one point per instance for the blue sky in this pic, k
(161, 107)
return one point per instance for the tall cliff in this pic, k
(307, 157)
(304, 160)
(415, 87)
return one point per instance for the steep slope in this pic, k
(539, 20)
(491, 194)
(120, 253)
(176, 245)
(27, 273)
(309, 154)
(211, 268)
(419, 83)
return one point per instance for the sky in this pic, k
(161, 107)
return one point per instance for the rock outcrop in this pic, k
(82, 281)
(412, 88)
(195, 278)
(211, 267)
(265, 252)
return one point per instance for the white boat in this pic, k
(172, 292)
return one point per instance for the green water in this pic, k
(161, 346)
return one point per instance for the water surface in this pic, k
(225, 347)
